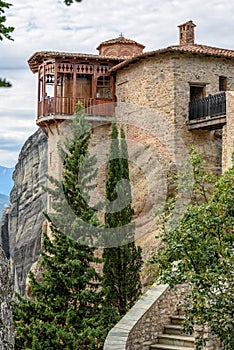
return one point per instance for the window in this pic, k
(197, 91)
(222, 83)
(103, 87)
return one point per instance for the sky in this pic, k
(51, 25)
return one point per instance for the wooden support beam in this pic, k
(48, 126)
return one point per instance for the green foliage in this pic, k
(4, 31)
(4, 83)
(122, 259)
(197, 249)
(67, 310)
(71, 196)
(69, 2)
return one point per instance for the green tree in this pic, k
(67, 310)
(71, 195)
(4, 32)
(4, 83)
(197, 249)
(69, 2)
(122, 259)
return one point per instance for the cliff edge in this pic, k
(21, 224)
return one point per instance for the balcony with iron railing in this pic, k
(208, 112)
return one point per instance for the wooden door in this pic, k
(84, 86)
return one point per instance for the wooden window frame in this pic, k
(103, 87)
(201, 85)
(222, 83)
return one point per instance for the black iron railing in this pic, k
(211, 106)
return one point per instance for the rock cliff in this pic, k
(21, 224)
(6, 324)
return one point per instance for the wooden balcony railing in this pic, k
(211, 106)
(66, 106)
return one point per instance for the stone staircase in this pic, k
(173, 337)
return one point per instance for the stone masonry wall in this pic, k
(145, 321)
(228, 133)
(162, 83)
(150, 165)
(149, 83)
(191, 70)
(139, 328)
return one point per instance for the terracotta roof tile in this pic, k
(121, 62)
(38, 57)
(121, 40)
(189, 49)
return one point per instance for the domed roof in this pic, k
(120, 46)
(120, 40)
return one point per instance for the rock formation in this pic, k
(6, 324)
(21, 225)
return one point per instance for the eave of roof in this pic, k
(38, 57)
(195, 49)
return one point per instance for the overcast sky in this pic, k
(51, 25)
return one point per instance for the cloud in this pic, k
(51, 25)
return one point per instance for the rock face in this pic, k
(6, 324)
(21, 226)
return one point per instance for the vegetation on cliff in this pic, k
(72, 305)
(67, 310)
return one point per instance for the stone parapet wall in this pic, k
(141, 326)
(146, 320)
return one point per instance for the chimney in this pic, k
(187, 33)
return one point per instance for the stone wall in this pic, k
(150, 165)
(195, 70)
(145, 321)
(139, 328)
(6, 323)
(162, 83)
(228, 133)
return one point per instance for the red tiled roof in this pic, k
(195, 49)
(38, 57)
(121, 40)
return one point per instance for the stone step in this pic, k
(174, 329)
(170, 347)
(177, 319)
(178, 340)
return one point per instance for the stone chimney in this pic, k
(187, 33)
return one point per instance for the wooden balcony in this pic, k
(208, 113)
(63, 107)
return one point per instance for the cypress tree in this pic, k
(67, 310)
(122, 259)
